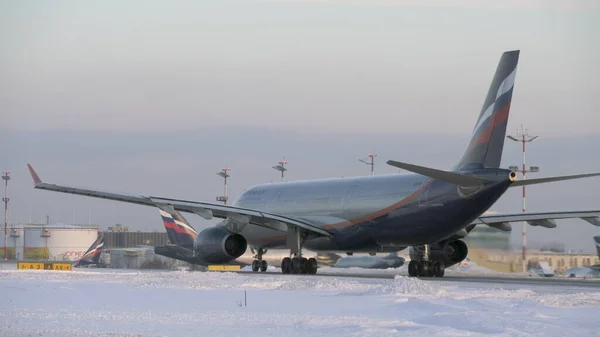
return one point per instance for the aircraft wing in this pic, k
(236, 215)
(544, 219)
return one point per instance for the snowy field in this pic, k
(181, 303)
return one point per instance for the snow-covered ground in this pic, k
(180, 303)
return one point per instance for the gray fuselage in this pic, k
(373, 213)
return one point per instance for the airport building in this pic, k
(485, 237)
(510, 262)
(119, 236)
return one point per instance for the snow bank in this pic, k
(180, 303)
(402, 285)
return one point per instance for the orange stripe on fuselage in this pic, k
(381, 212)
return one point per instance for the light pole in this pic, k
(281, 168)
(524, 138)
(372, 163)
(225, 175)
(6, 178)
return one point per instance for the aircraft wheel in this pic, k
(286, 265)
(304, 265)
(413, 268)
(425, 269)
(297, 265)
(311, 266)
(255, 265)
(263, 265)
(438, 269)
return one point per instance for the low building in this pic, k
(125, 239)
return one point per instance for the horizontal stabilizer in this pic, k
(451, 177)
(551, 179)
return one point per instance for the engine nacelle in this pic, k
(217, 245)
(450, 252)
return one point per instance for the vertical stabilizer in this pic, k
(487, 140)
(179, 231)
(92, 255)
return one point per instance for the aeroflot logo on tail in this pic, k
(505, 86)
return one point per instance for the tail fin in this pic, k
(92, 255)
(179, 231)
(487, 140)
(597, 239)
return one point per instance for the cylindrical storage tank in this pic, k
(69, 244)
(35, 243)
(15, 242)
(58, 242)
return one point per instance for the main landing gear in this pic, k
(425, 267)
(297, 264)
(259, 263)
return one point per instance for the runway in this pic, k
(454, 277)
(543, 281)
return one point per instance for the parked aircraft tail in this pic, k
(487, 140)
(179, 231)
(181, 238)
(92, 255)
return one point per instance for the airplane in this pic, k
(541, 268)
(181, 237)
(592, 271)
(428, 209)
(596, 267)
(91, 258)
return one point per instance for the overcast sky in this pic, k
(155, 97)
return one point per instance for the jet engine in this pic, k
(216, 245)
(450, 252)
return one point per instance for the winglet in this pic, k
(34, 175)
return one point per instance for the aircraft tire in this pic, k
(425, 269)
(286, 265)
(255, 265)
(438, 269)
(413, 268)
(298, 265)
(263, 265)
(311, 266)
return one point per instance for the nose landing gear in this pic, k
(259, 263)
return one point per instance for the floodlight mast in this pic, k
(225, 175)
(371, 163)
(281, 167)
(524, 138)
(6, 178)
